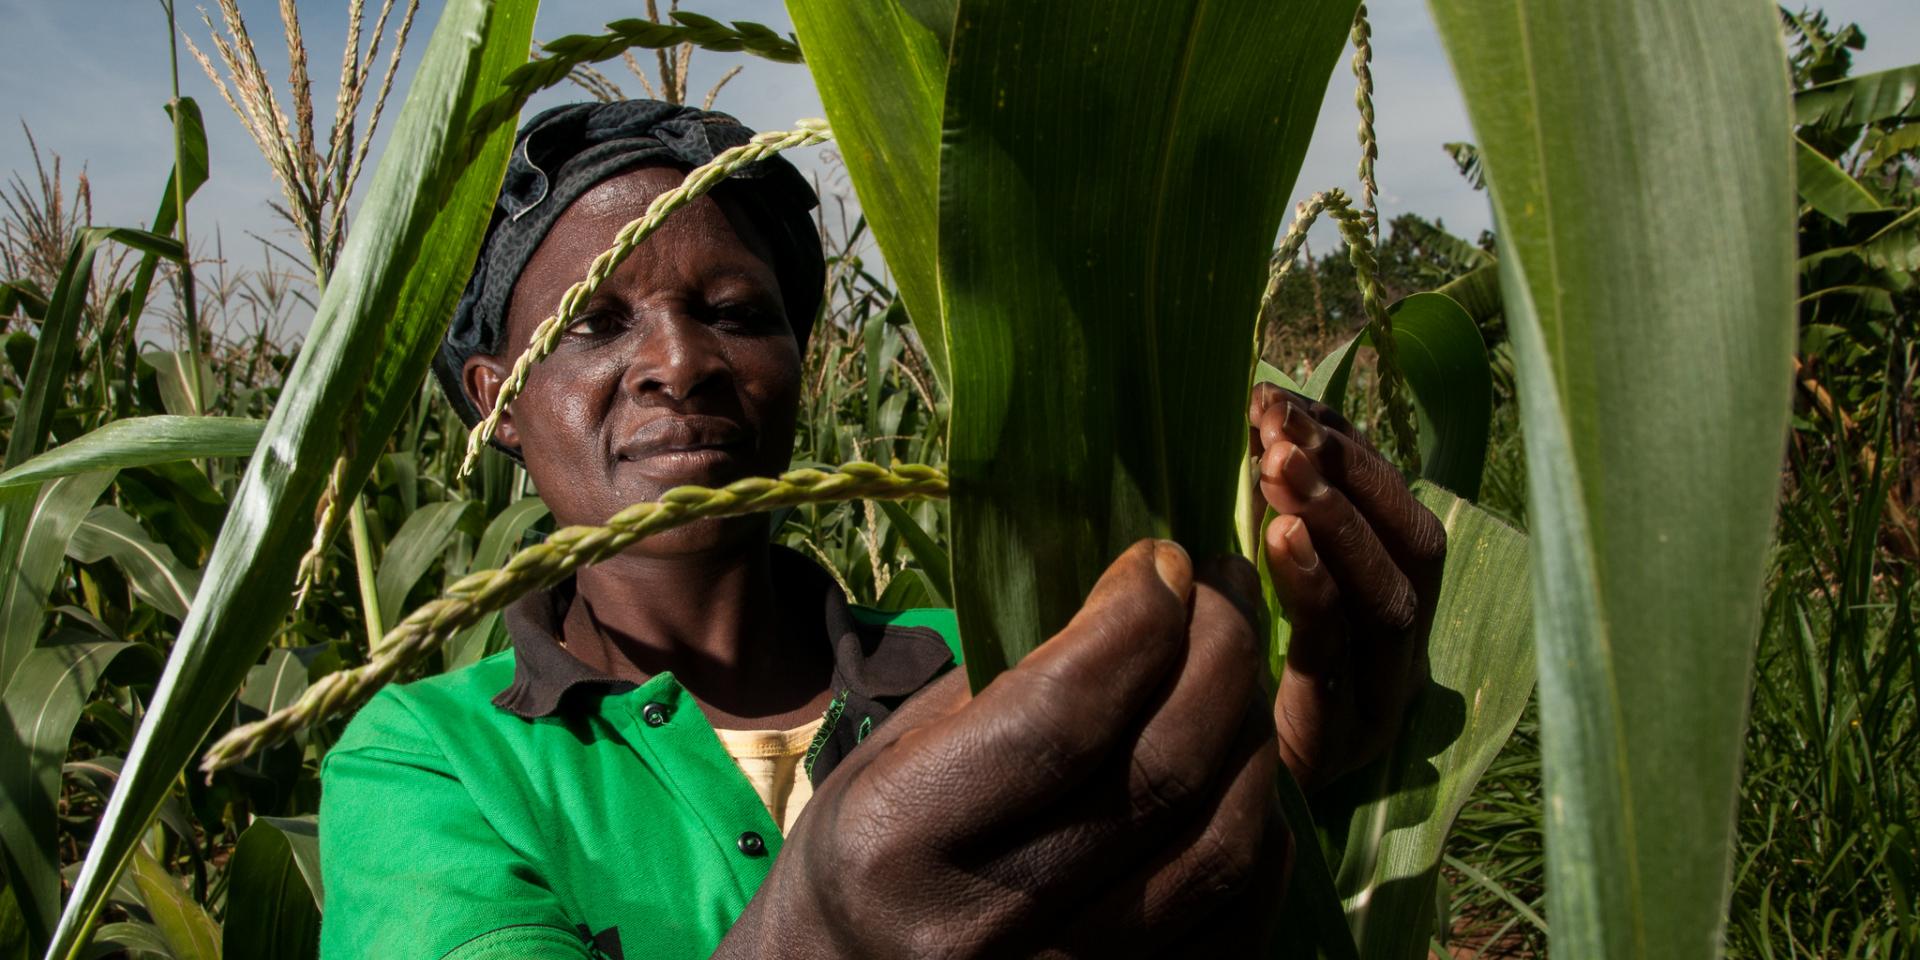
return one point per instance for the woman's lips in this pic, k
(684, 445)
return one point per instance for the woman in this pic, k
(619, 784)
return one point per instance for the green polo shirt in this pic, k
(524, 807)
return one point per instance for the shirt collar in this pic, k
(872, 662)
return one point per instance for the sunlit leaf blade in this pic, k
(157, 575)
(183, 923)
(362, 323)
(271, 914)
(891, 143)
(37, 712)
(1101, 267)
(140, 442)
(190, 135)
(1639, 160)
(1867, 98)
(1482, 669)
(1445, 363)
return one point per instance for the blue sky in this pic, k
(90, 76)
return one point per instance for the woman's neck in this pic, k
(717, 622)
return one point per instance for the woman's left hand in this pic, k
(1356, 560)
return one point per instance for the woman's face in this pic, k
(681, 369)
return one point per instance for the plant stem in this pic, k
(363, 568)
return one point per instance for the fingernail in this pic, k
(1299, 544)
(1303, 428)
(1170, 560)
(1302, 475)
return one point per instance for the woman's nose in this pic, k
(674, 357)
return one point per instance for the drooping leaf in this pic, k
(908, 590)
(1641, 176)
(271, 914)
(116, 940)
(421, 540)
(190, 136)
(1867, 98)
(1400, 809)
(1100, 269)
(413, 241)
(1477, 292)
(157, 575)
(1445, 363)
(139, 442)
(891, 143)
(1828, 188)
(183, 923)
(173, 372)
(504, 533)
(37, 712)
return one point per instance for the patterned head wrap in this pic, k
(564, 152)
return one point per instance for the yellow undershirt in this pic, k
(772, 761)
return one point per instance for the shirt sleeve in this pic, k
(411, 867)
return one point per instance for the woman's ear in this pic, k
(482, 376)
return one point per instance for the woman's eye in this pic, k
(591, 325)
(741, 315)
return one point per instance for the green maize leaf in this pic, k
(173, 373)
(1828, 188)
(414, 238)
(890, 142)
(60, 331)
(189, 932)
(157, 575)
(190, 131)
(271, 915)
(33, 543)
(275, 683)
(40, 707)
(928, 554)
(1399, 810)
(1311, 922)
(1101, 267)
(24, 296)
(910, 589)
(117, 940)
(1445, 363)
(501, 539)
(1642, 178)
(1328, 381)
(1868, 98)
(303, 838)
(140, 442)
(504, 533)
(422, 539)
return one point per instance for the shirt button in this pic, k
(751, 844)
(654, 714)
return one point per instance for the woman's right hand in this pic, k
(1111, 795)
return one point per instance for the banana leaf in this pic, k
(1868, 98)
(1828, 188)
(415, 236)
(1100, 268)
(1638, 156)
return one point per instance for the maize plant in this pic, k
(1077, 201)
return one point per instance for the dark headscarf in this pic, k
(564, 152)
